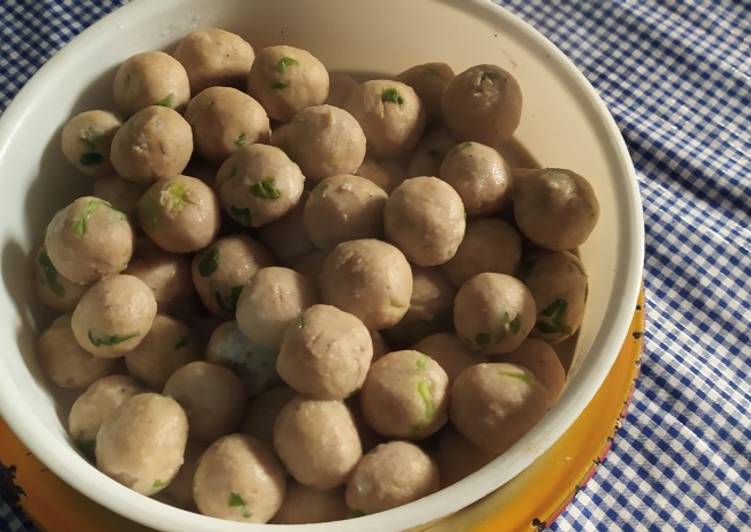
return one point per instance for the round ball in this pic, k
(457, 458)
(263, 411)
(286, 237)
(86, 141)
(121, 194)
(425, 218)
(150, 78)
(167, 274)
(303, 504)
(542, 360)
(449, 352)
(53, 289)
(385, 173)
(429, 81)
(430, 152)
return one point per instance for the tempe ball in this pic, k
(458, 458)
(286, 237)
(64, 361)
(303, 504)
(167, 274)
(222, 270)
(223, 119)
(286, 80)
(180, 214)
(179, 491)
(542, 360)
(430, 152)
(344, 207)
(493, 405)
(370, 279)
(53, 289)
(340, 85)
(325, 140)
(86, 141)
(142, 444)
(169, 345)
(121, 194)
(405, 395)
(429, 308)
(391, 115)
(155, 143)
(390, 475)
(480, 175)
(449, 352)
(429, 81)
(484, 104)
(213, 398)
(554, 208)
(317, 441)
(150, 78)
(489, 245)
(96, 404)
(114, 316)
(263, 411)
(425, 218)
(326, 354)
(274, 298)
(386, 173)
(494, 313)
(88, 240)
(214, 57)
(259, 184)
(239, 478)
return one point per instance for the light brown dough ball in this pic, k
(493, 405)
(386, 173)
(317, 441)
(263, 411)
(121, 194)
(457, 458)
(370, 279)
(150, 78)
(179, 492)
(311, 266)
(405, 395)
(86, 141)
(53, 289)
(429, 81)
(425, 218)
(213, 398)
(167, 274)
(303, 504)
(542, 360)
(286, 237)
(340, 86)
(390, 475)
(286, 80)
(114, 316)
(430, 152)
(449, 352)
(344, 207)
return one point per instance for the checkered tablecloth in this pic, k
(677, 77)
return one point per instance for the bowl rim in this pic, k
(107, 492)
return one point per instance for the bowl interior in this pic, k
(563, 124)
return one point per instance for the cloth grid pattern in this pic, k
(677, 78)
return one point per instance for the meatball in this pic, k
(121, 194)
(429, 308)
(484, 104)
(169, 345)
(95, 405)
(180, 214)
(493, 405)
(480, 175)
(179, 492)
(53, 289)
(273, 299)
(214, 57)
(430, 152)
(370, 279)
(390, 475)
(386, 173)
(449, 352)
(429, 81)
(317, 441)
(380, 347)
(86, 141)
(559, 285)
(167, 274)
(114, 316)
(155, 143)
(494, 313)
(223, 119)
(213, 397)
(542, 360)
(222, 270)
(391, 115)
(150, 78)
(340, 86)
(253, 364)
(303, 504)
(141, 445)
(311, 266)
(63, 360)
(259, 184)
(263, 411)
(344, 207)
(405, 395)
(286, 80)
(88, 240)
(489, 245)
(239, 478)
(326, 354)
(325, 140)
(425, 218)
(556, 209)
(457, 458)
(286, 237)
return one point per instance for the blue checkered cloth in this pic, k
(677, 78)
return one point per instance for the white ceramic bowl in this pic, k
(564, 124)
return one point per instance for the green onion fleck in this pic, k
(209, 262)
(425, 391)
(391, 95)
(422, 362)
(523, 376)
(91, 158)
(235, 499)
(79, 224)
(166, 101)
(555, 312)
(284, 63)
(240, 141)
(300, 321)
(158, 484)
(265, 189)
(50, 275)
(231, 304)
(279, 85)
(113, 339)
(176, 196)
(241, 215)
